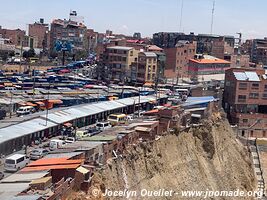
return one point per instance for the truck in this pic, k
(55, 144)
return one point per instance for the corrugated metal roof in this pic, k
(60, 116)
(9, 190)
(23, 177)
(54, 161)
(120, 48)
(27, 197)
(109, 105)
(49, 167)
(24, 128)
(150, 54)
(204, 98)
(246, 76)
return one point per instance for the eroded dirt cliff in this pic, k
(202, 158)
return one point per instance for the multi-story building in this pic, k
(39, 31)
(245, 100)
(177, 59)
(206, 44)
(206, 65)
(258, 51)
(68, 31)
(15, 37)
(118, 61)
(147, 67)
(91, 40)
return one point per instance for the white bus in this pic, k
(16, 162)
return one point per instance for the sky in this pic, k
(145, 16)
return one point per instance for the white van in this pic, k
(16, 162)
(25, 110)
(103, 126)
(55, 144)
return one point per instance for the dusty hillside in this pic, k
(206, 157)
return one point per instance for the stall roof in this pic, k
(24, 128)
(23, 177)
(10, 190)
(109, 105)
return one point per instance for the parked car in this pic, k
(70, 140)
(1, 175)
(103, 126)
(38, 153)
(2, 114)
(25, 110)
(93, 131)
(16, 162)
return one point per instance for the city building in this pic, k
(206, 43)
(39, 31)
(177, 59)
(257, 50)
(118, 60)
(91, 40)
(245, 100)
(68, 31)
(153, 48)
(203, 65)
(147, 67)
(15, 37)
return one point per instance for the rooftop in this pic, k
(120, 48)
(246, 76)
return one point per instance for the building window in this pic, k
(251, 133)
(264, 95)
(242, 98)
(154, 68)
(263, 133)
(243, 86)
(254, 95)
(245, 120)
(255, 86)
(131, 53)
(243, 133)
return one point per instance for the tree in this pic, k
(29, 54)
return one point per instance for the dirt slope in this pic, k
(205, 157)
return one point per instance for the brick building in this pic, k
(206, 43)
(146, 67)
(258, 51)
(15, 37)
(245, 100)
(39, 31)
(177, 58)
(118, 60)
(206, 65)
(70, 31)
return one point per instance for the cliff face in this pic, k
(203, 158)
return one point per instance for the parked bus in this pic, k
(116, 119)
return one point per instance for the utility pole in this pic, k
(139, 100)
(212, 17)
(47, 103)
(181, 16)
(11, 106)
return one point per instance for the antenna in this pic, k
(181, 17)
(212, 17)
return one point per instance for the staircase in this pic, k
(257, 168)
